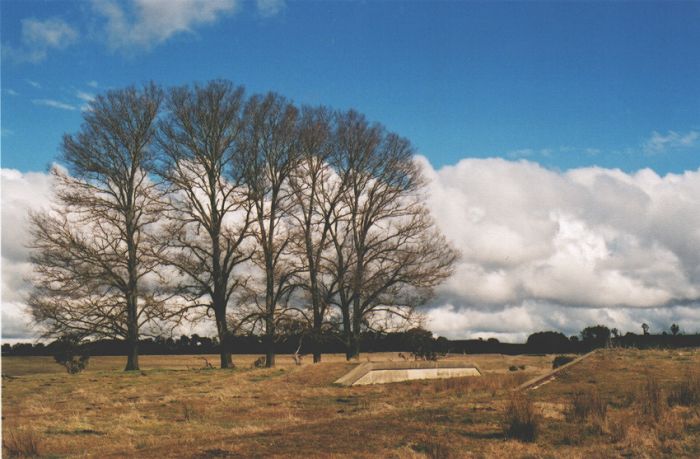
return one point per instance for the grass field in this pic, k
(615, 403)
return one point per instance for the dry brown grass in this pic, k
(173, 408)
(587, 406)
(20, 443)
(686, 392)
(522, 421)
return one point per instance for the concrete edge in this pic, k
(539, 380)
(362, 369)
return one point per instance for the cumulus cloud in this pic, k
(541, 249)
(584, 243)
(147, 23)
(21, 192)
(39, 37)
(672, 140)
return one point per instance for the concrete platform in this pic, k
(389, 372)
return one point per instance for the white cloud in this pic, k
(540, 249)
(21, 192)
(84, 96)
(33, 84)
(92, 84)
(514, 323)
(268, 8)
(39, 37)
(53, 104)
(12, 92)
(147, 23)
(589, 239)
(672, 140)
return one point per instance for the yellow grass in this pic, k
(174, 408)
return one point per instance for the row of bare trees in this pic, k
(199, 201)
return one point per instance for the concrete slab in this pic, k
(388, 372)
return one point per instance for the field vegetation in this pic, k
(615, 403)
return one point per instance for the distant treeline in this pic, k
(417, 341)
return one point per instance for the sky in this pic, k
(562, 139)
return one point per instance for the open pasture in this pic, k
(175, 408)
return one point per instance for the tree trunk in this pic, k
(132, 361)
(316, 333)
(224, 339)
(269, 342)
(347, 331)
(354, 351)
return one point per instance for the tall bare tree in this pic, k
(96, 253)
(317, 191)
(268, 153)
(208, 210)
(388, 254)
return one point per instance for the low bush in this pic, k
(561, 360)
(521, 419)
(71, 354)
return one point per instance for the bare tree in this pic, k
(268, 155)
(317, 191)
(208, 210)
(96, 253)
(388, 254)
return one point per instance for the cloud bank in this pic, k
(21, 192)
(541, 249)
(544, 249)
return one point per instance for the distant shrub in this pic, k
(69, 353)
(548, 341)
(513, 368)
(521, 421)
(561, 360)
(686, 392)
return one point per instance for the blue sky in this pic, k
(476, 86)
(562, 84)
